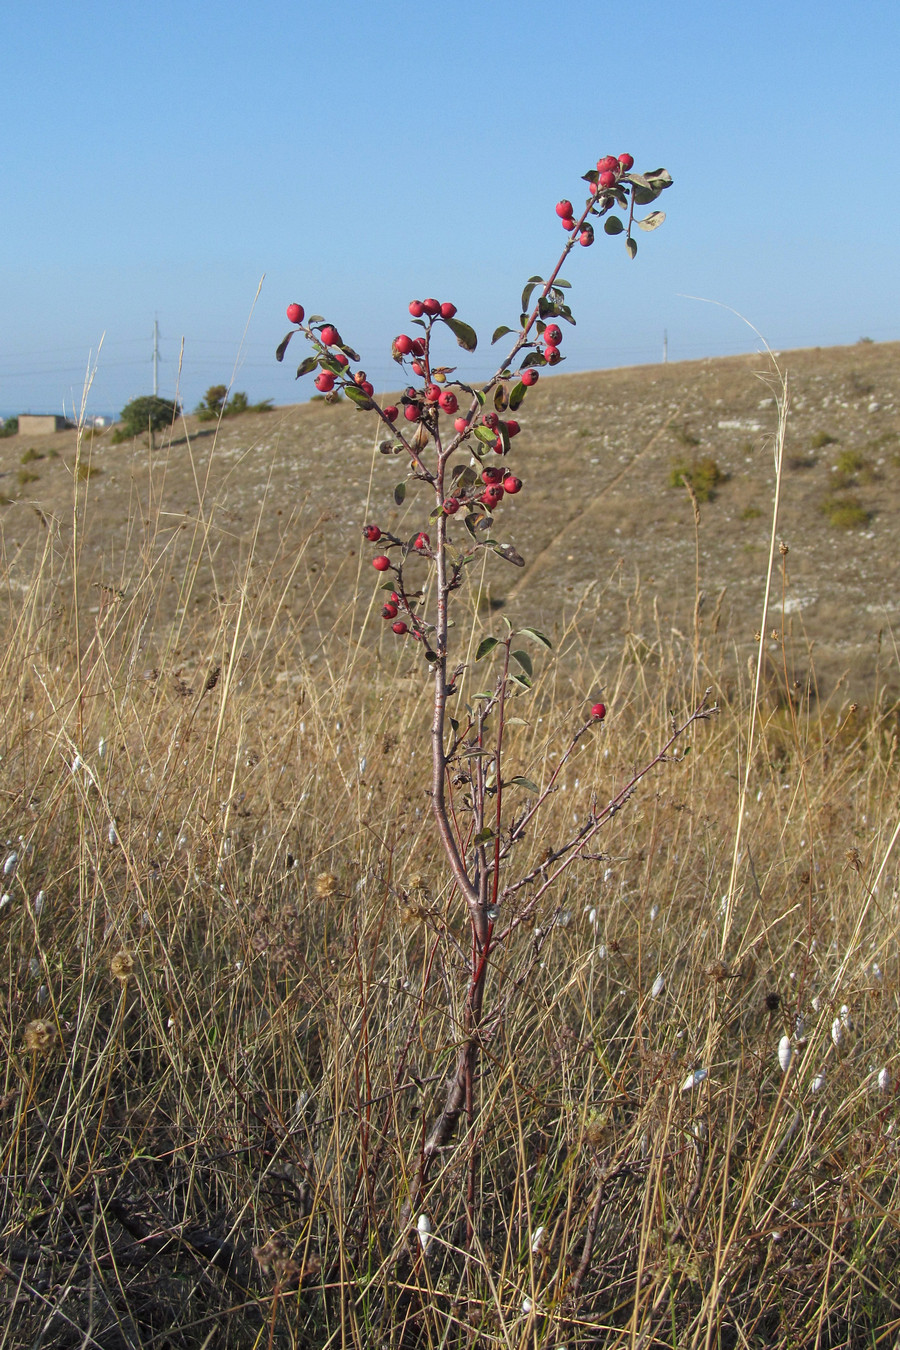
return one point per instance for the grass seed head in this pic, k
(326, 885)
(40, 1036)
(121, 966)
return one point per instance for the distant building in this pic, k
(42, 424)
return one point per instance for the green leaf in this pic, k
(638, 179)
(306, 366)
(631, 245)
(357, 396)
(509, 554)
(537, 636)
(661, 177)
(464, 335)
(485, 435)
(283, 345)
(653, 221)
(529, 290)
(483, 836)
(501, 397)
(500, 332)
(521, 680)
(519, 781)
(464, 476)
(400, 493)
(516, 394)
(524, 661)
(644, 196)
(315, 318)
(566, 285)
(613, 225)
(533, 359)
(348, 351)
(485, 646)
(516, 722)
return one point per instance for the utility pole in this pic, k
(155, 357)
(665, 345)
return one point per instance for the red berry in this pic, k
(564, 208)
(451, 506)
(418, 368)
(492, 496)
(419, 346)
(295, 313)
(394, 598)
(512, 484)
(416, 309)
(594, 189)
(447, 310)
(598, 712)
(627, 163)
(553, 334)
(431, 306)
(491, 420)
(608, 164)
(381, 563)
(568, 223)
(400, 627)
(403, 344)
(324, 381)
(411, 412)
(552, 355)
(360, 377)
(461, 424)
(389, 611)
(341, 359)
(432, 393)
(512, 429)
(529, 377)
(390, 413)
(448, 401)
(372, 533)
(367, 387)
(421, 542)
(491, 476)
(607, 179)
(330, 336)
(586, 238)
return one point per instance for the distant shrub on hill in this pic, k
(145, 415)
(216, 403)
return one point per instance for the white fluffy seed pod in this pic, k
(818, 1082)
(694, 1079)
(537, 1242)
(9, 865)
(112, 834)
(659, 985)
(423, 1228)
(785, 1053)
(884, 1080)
(846, 1018)
(837, 1032)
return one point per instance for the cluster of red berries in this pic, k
(433, 308)
(609, 171)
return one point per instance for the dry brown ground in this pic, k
(604, 534)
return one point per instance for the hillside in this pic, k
(605, 534)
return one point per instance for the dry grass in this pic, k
(234, 969)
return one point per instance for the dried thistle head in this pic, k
(121, 966)
(417, 885)
(717, 971)
(326, 885)
(275, 1256)
(40, 1036)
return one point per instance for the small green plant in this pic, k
(703, 475)
(216, 403)
(845, 513)
(86, 471)
(10, 427)
(25, 476)
(850, 468)
(820, 439)
(145, 415)
(31, 456)
(751, 513)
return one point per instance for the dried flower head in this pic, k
(40, 1036)
(717, 971)
(598, 1129)
(417, 884)
(275, 1256)
(326, 885)
(121, 965)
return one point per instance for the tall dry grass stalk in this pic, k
(232, 990)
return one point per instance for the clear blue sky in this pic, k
(159, 159)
